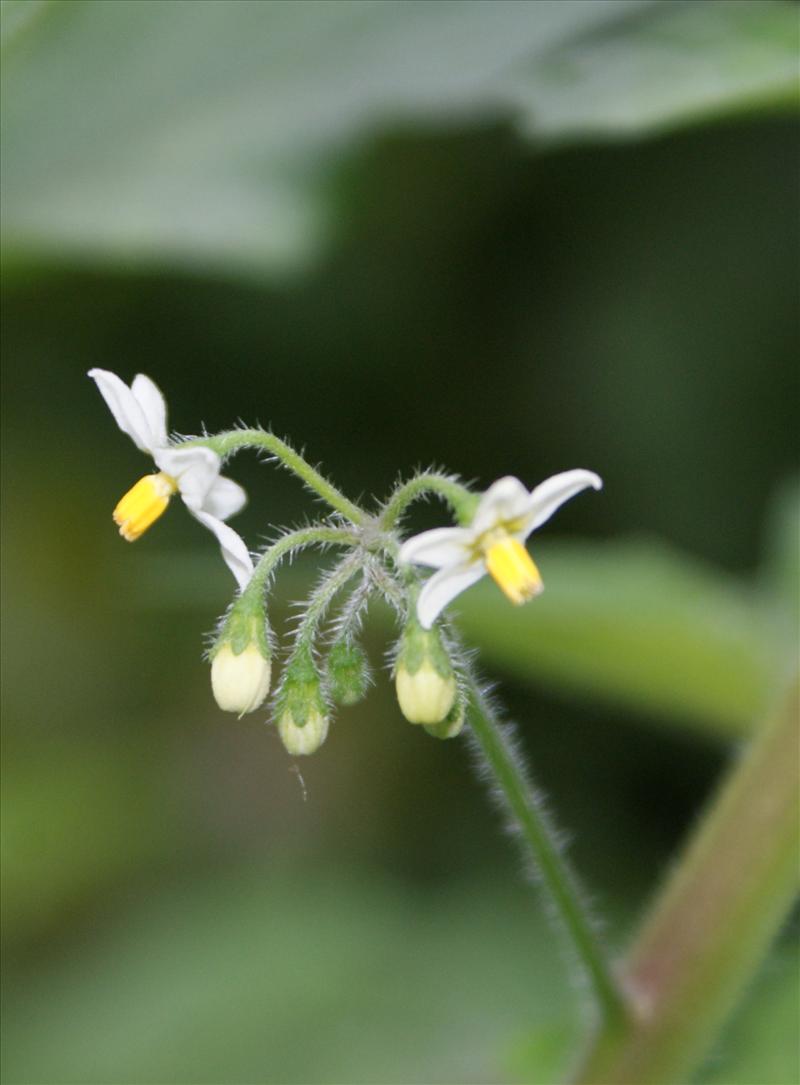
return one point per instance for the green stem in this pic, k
(554, 871)
(248, 607)
(461, 500)
(320, 600)
(714, 921)
(225, 444)
(287, 544)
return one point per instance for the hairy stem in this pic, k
(225, 444)
(551, 866)
(249, 604)
(714, 921)
(460, 499)
(291, 542)
(320, 600)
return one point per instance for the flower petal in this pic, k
(225, 498)
(194, 469)
(506, 499)
(551, 494)
(154, 407)
(440, 547)
(234, 551)
(444, 586)
(125, 407)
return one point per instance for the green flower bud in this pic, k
(240, 659)
(424, 678)
(451, 725)
(348, 672)
(306, 739)
(301, 712)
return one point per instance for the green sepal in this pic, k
(418, 646)
(451, 725)
(301, 691)
(245, 624)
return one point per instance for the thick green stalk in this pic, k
(554, 872)
(712, 924)
(225, 444)
(461, 500)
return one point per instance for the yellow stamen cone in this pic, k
(513, 569)
(143, 504)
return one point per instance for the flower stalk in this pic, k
(227, 443)
(460, 499)
(290, 543)
(553, 871)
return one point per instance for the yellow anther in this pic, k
(513, 568)
(143, 504)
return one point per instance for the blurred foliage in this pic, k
(291, 970)
(507, 285)
(280, 975)
(191, 133)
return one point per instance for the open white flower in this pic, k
(493, 543)
(141, 412)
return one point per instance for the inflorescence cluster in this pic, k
(325, 664)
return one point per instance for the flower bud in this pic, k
(451, 725)
(240, 658)
(424, 678)
(240, 682)
(301, 712)
(306, 739)
(348, 672)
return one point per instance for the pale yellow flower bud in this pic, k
(240, 682)
(306, 739)
(424, 696)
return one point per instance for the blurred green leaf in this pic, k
(74, 821)
(265, 976)
(202, 133)
(671, 64)
(16, 16)
(639, 625)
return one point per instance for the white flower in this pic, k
(494, 542)
(140, 411)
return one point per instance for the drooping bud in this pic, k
(241, 659)
(301, 712)
(451, 725)
(240, 682)
(424, 678)
(306, 739)
(348, 672)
